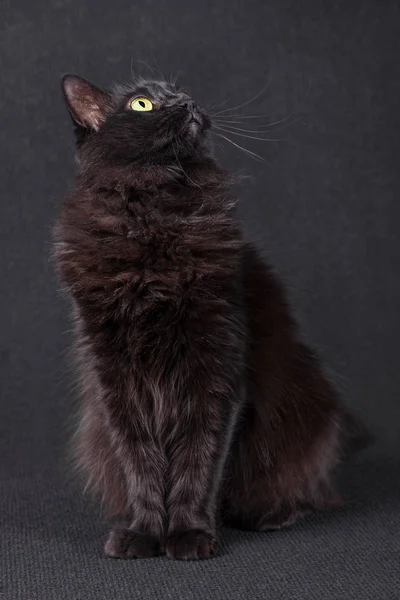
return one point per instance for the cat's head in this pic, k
(146, 122)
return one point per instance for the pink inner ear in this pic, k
(92, 114)
(87, 103)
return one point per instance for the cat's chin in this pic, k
(192, 128)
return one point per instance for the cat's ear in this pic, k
(87, 104)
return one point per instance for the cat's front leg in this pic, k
(196, 464)
(143, 464)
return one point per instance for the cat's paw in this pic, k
(193, 544)
(124, 543)
(269, 521)
(276, 521)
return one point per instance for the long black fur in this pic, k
(199, 401)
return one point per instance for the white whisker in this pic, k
(229, 126)
(214, 105)
(248, 101)
(272, 124)
(183, 170)
(250, 137)
(249, 152)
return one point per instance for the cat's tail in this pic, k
(355, 435)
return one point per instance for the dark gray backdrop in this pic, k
(325, 207)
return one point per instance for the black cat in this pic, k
(199, 400)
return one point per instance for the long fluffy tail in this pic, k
(356, 436)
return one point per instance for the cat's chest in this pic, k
(146, 254)
(156, 251)
(156, 256)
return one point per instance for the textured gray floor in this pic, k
(51, 546)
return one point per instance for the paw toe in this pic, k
(130, 544)
(193, 544)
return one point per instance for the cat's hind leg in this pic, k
(266, 520)
(265, 491)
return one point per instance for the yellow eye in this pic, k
(141, 104)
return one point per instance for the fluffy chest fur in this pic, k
(119, 243)
(156, 275)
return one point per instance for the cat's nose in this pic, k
(190, 105)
